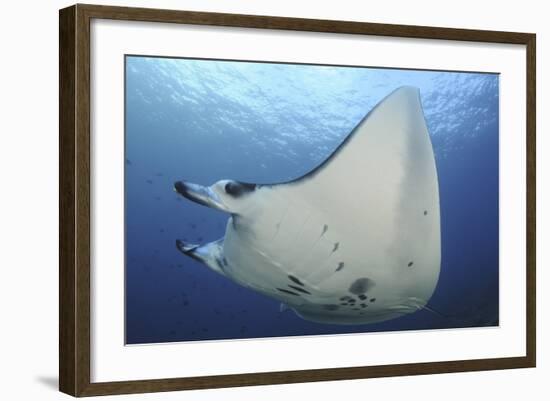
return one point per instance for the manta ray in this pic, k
(356, 240)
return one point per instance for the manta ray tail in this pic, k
(459, 321)
(210, 254)
(435, 312)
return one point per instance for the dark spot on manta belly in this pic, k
(410, 264)
(336, 245)
(340, 266)
(373, 299)
(425, 212)
(288, 292)
(300, 289)
(295, 279)
(361, 285)
(362, 297)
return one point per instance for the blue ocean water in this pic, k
(204, 120)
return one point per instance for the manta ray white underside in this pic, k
(356, 240)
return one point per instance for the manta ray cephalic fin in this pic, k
(210, 254)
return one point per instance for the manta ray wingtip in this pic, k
(413, 90)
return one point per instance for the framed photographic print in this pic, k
(296, 200)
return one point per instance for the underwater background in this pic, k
(206, 120)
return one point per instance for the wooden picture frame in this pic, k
(75, 199)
